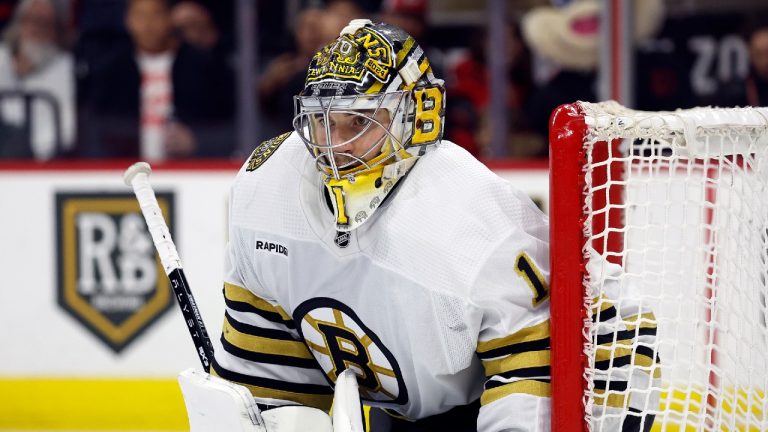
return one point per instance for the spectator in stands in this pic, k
(35, 67)
(160, 98)
(338, 13)
(411, 16)
(752, 91)
(195, 25)
(284, 76)
(470, 98)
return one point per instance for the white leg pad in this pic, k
(214, 404)
(297, 418)
(217, 405)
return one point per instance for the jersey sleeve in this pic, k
(260, 347)
(512, 292)
(627, 371)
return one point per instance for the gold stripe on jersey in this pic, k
(321, 401)
(604, 302)
(656, 372)
(607, 352)
(318, 348)
(523, 360)
(535, 332)
(604, 353)
(239, 294)
(264, 345)
(531, 387)
(643, 321)
(613, 400)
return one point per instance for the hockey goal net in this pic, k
(659, 224)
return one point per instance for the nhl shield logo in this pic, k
(109, 277)
(342, 239)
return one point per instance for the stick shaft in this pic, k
(192, 317)
(169, 257)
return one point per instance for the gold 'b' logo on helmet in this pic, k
(339, 340)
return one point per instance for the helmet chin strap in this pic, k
(398, 169)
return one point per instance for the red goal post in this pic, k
(667, 210)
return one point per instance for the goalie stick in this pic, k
(137, 176)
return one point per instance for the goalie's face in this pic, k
(368, 111)
(350, 135)
(350, 138)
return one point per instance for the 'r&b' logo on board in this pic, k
(110, 278)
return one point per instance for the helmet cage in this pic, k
(333, 152)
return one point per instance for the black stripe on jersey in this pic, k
(617, 362)
(534, 345)
(530, 372)
(314, 389)
(267, 315)
(491, 384)
(605, 315)
(267, 358)
(258, 331)
(624, 360)
(625, 335)
(614, 385)
(644, 350)
(633, 422)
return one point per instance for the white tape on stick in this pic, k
(137, 176)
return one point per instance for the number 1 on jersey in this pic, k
(527, 270)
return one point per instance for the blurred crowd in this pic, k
(155, 79)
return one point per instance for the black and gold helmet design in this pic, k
(370, 107)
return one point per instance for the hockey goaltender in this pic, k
(417, 278)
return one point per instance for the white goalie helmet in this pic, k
(370, 108)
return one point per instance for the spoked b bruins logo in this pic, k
(339, 340)
(109, 276)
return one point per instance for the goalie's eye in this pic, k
(360, 121)
(321, 120)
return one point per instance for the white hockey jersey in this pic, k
(439, 299)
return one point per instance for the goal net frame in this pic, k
(574, 222)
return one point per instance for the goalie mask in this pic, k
(370, 108)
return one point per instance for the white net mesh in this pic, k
(677, 338)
